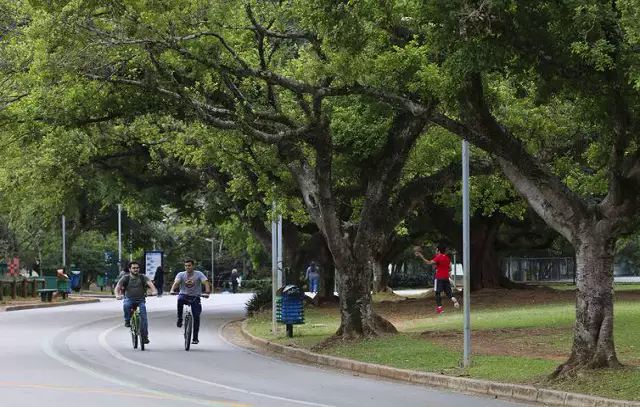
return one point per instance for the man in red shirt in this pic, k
(441, 282)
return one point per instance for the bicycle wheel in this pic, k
(188, 327)
(134, 330)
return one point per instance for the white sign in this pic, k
(152, 260)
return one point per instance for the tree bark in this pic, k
(356, 308)
(485, 261)
(593, 345)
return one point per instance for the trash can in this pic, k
(75, 279)
(290, 307)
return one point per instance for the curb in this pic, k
(48, 305)
(513, 392)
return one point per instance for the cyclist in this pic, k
(190, 282)
(134, 285)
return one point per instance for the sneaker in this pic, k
(179, 323)
(456, 304)
(195, 341)
(145, 340)
(439, 310)
(127, 324)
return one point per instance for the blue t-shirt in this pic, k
(191, 284)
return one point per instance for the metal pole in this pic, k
(455, 271)
(212, 266)
(119, 238)
(274, 268)
(280, 265)
(466, 258)
(64, 242)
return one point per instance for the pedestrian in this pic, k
(443, 274)
(234, 280)
(190, 283)
(134, 286)
(312, 275)
(62, 283)
(158, 280)
(123, 272)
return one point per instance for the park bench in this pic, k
(46, 294)
(61, 286)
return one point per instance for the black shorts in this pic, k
(442, 285)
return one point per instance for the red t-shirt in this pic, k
(443, 264)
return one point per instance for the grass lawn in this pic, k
(518, 340)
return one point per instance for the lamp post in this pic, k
(212, 240)
(64, 242)
(119, 238)
(466, 256)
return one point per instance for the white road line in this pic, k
(49, 351)
(103, 342)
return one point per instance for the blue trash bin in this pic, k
(290, 307)
(75, 279)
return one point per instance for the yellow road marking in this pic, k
(156, 396)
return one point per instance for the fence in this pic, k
(539, 268)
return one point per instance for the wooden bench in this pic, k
(46, 295)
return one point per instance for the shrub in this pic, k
(261, 297)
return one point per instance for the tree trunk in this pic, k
(593, 333)
(356, 308)
(485, 261)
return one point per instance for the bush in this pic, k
(261, 297)
(251, 285)
(414, 275)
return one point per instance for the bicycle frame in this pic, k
(136, 334)
(136, 326)
(188, 322)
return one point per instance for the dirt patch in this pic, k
(485, 299)
(547, 343)
(531, 343)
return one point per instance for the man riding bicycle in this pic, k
(190, 282)
(134, 285)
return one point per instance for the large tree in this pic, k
(550, 89)
(273, 74)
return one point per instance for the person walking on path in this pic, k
(190, 282)
(312, 275)
(234, 280)
(134, 286)
(158, 280)
(443, 274)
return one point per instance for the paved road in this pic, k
(81, 356)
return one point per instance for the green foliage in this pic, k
(262, 296)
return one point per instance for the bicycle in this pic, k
(187, 324)
(136, 334)
(136, 325)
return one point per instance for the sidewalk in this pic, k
(506, 391)
(37, 303)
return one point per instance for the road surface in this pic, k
(81, 355)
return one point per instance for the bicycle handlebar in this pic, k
(122, 296)
(201, 295)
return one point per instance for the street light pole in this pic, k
(274, 270)
(64, 242)
(119, 238)
(213, 249)
(466, 256)
(279, 259)
(213, 252)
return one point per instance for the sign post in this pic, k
(152, 260)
